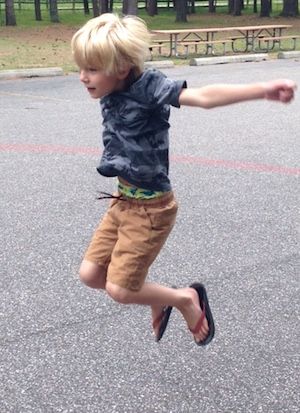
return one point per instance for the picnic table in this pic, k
(248, 37)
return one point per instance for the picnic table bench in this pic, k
(241, 38)
(270, 42)
(208, 45)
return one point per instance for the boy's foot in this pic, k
(204, 327)
(161, 321)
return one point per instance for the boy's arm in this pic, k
(222, 94)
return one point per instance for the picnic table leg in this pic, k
(171, 45)
(246, 36)
(272, 43)
(276, 41)
(280, 33)
(209, 47)
(174, 43)
(250, 42)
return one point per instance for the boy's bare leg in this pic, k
(92, 275)
(186, 300)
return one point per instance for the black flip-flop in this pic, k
(162, 320)
(206, 313)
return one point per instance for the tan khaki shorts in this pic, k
(130, 237)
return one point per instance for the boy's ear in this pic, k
(124, 72)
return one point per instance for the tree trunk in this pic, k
(211, 6)
(86, 7)
(129, 7)
(104, 8)
(152, 7)
(95, 8)
(237, 8)
(254, 6)
(290, 8)
(191, 8)
(265, 8)
(10, 17)
(53, 11)
(181, 11)
(37, 10)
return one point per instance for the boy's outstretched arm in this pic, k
(223, 94)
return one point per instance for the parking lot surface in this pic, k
(235, 171)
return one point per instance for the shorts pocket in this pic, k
(162, 217)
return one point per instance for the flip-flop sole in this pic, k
(203, 299)
(164, 322)
(164, 319)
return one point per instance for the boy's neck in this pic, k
(133, 75)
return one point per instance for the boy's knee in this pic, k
(85, 277)
(92, 275)
(119, 294)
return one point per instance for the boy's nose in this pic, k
(83, 76)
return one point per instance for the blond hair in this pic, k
(112, 44)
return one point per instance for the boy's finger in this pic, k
(290, 84)
(286, 95)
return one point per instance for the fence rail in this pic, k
(78, 4)
(72, 5)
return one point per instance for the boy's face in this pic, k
(99, 84)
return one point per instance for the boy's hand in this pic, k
(281, 90)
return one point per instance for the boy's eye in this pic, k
(92, 69)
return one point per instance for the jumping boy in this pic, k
(110, 53)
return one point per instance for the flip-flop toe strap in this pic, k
(198, 326)
(158, 320)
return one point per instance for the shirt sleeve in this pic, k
(163, 90)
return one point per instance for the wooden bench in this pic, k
(157, 45)
(272, 41)
(208, 43)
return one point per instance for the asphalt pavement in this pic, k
(235, 171)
